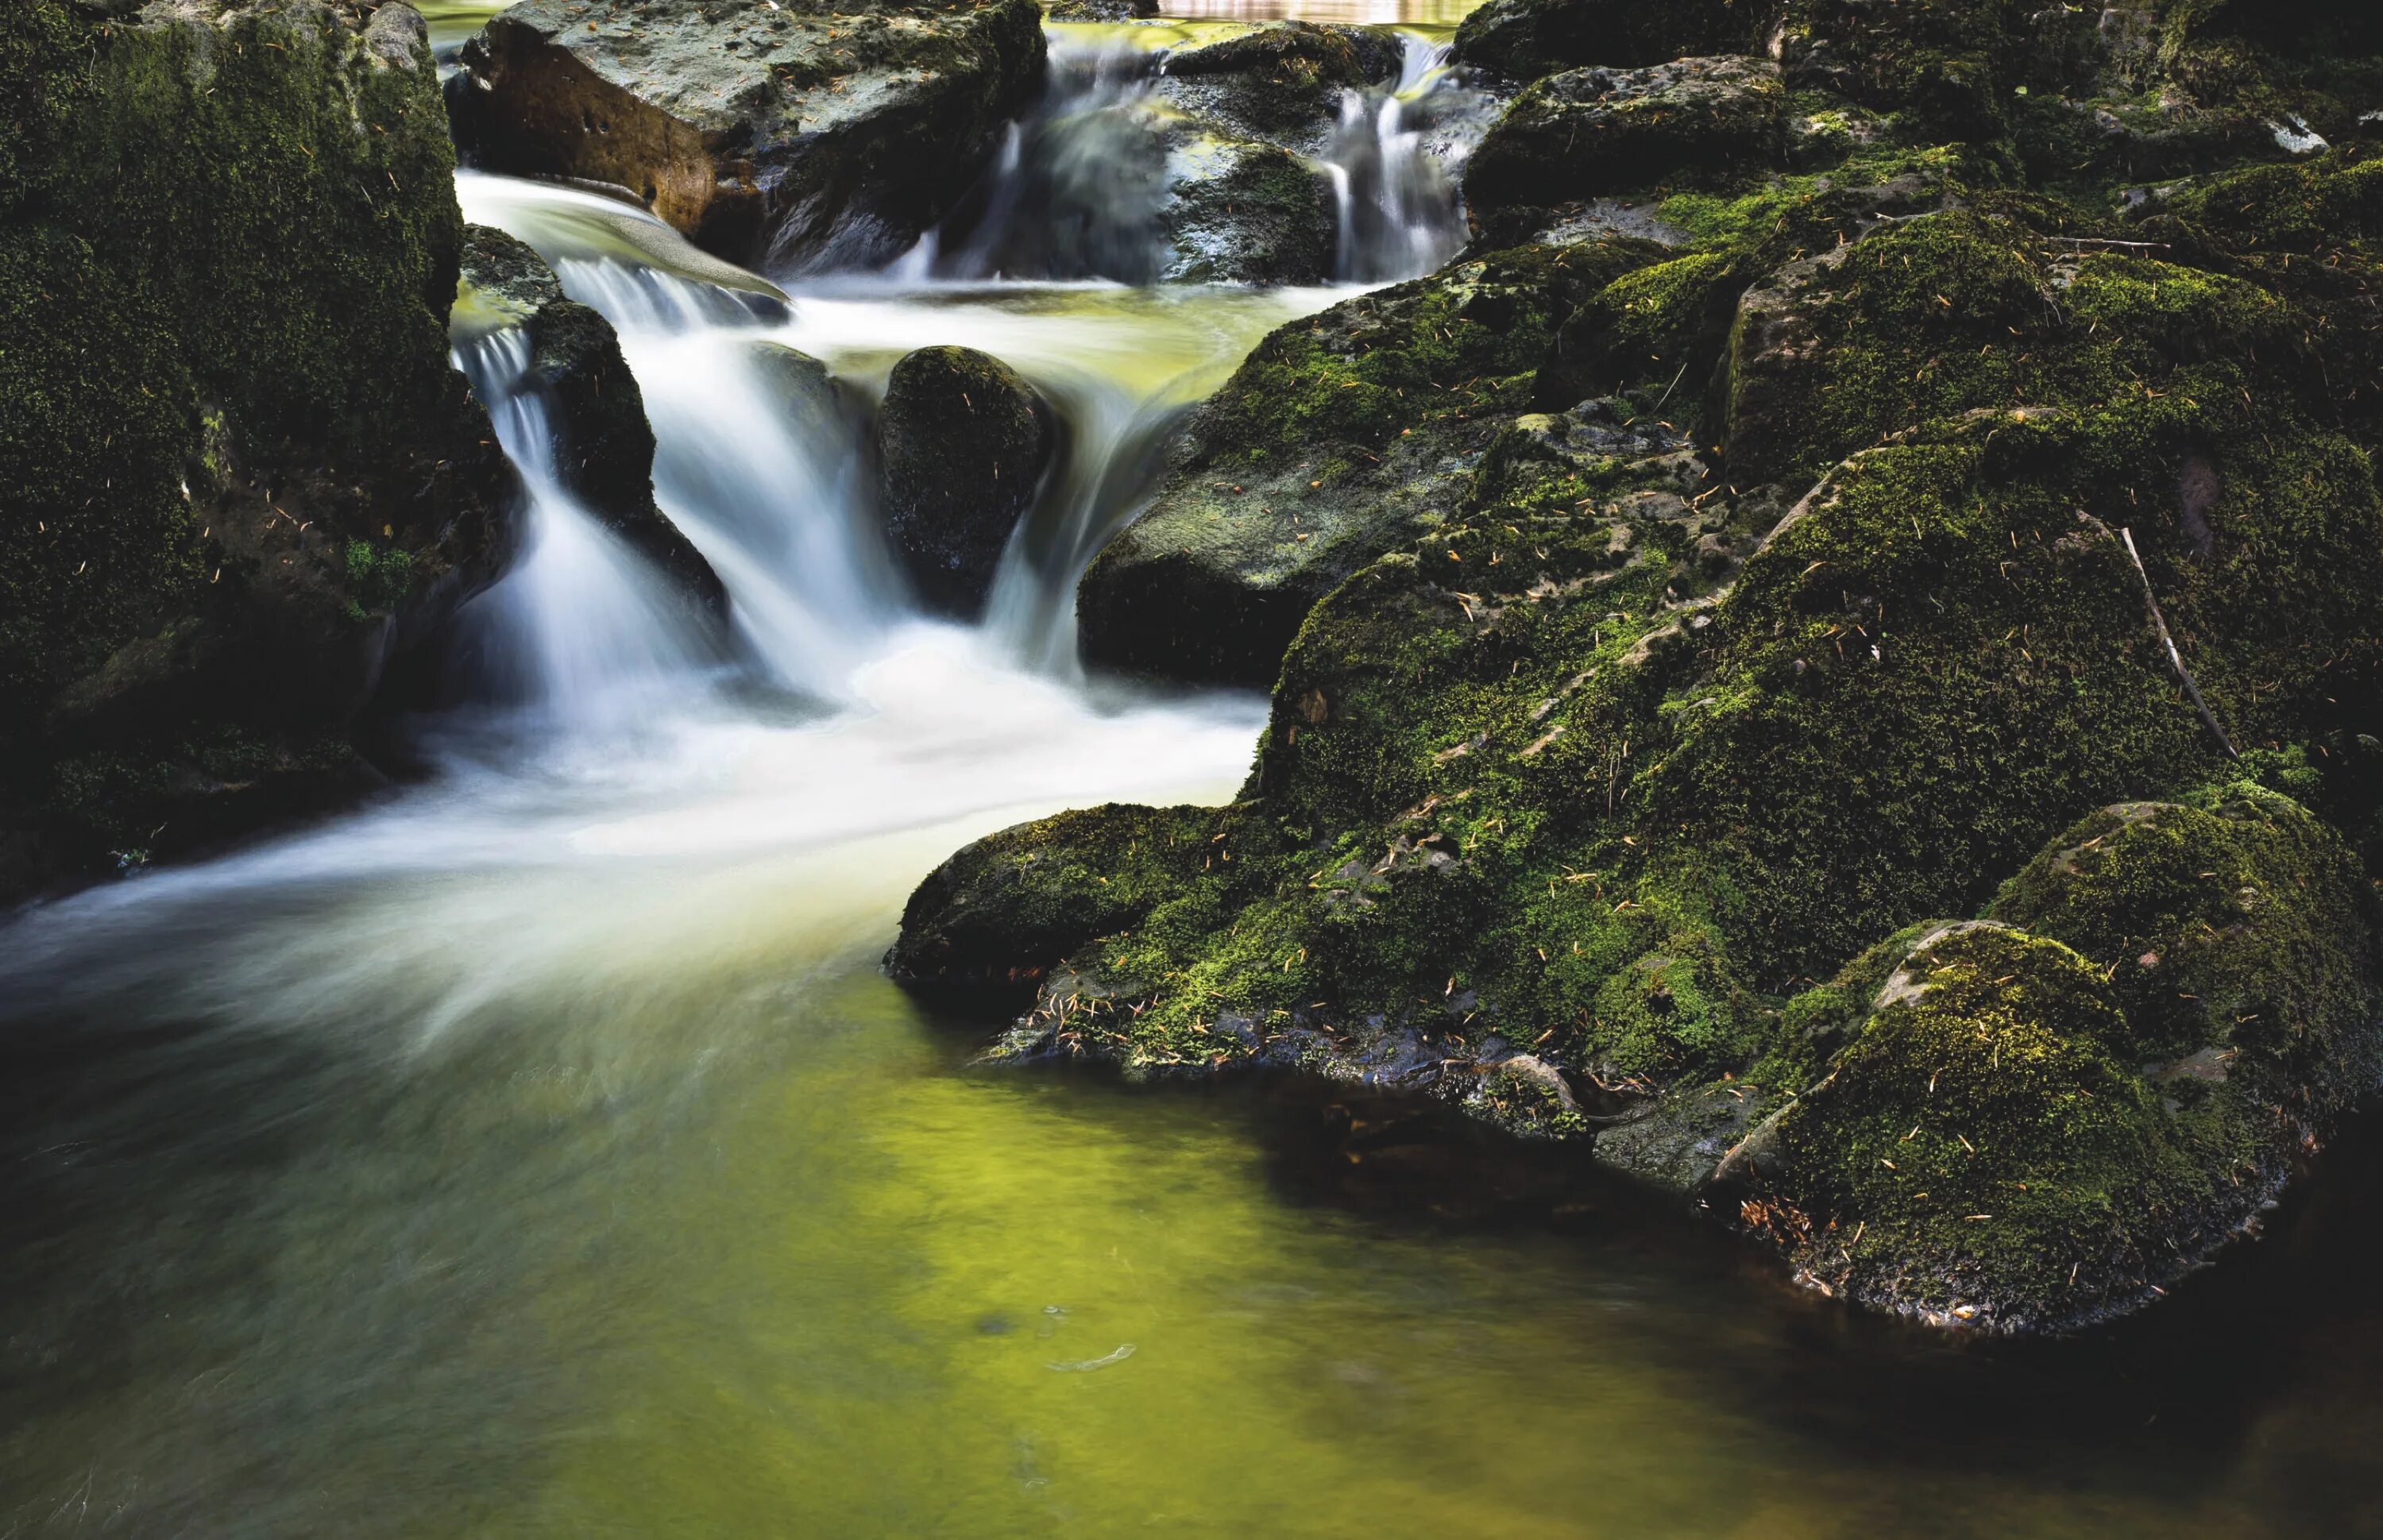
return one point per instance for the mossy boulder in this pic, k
(784, 138)
(962, 444)
(1526, 39)
(240, 477)
(1337, 441)
(1591, 133)
(1831, 560)
(2016, 1138)
(992, 922)
(1280, 82)
(603, 448)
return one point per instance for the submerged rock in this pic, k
(788, 138)
(238, 479)
(963, 441)
(604, 447)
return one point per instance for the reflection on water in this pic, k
(615, 1192)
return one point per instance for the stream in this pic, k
(540, 1150)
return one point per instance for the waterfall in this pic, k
(1399, 214)
(580, 634)
(1080, 188)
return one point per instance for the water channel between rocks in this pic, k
(541, 1151)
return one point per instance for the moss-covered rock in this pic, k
(993, 920)
(2015, 1138)
(1280, 82)
(237, 472)
(786, 138)
(603, 449)
(1338, 438)
(1905, 505)
(962, 443)
(1589, 133)
(1526, 39)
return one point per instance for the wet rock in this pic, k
(1677, 1141)
(1102, 10)
(988, 925)
(1282, 82)
(1596, 132)
(1238, 212)
(1339, 438)
(962, 443)
(604, 447)
(1526, 39)
(775, 137)
(238, 479)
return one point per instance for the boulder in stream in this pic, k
(1282, 82)
(1340, 438)
(240, 480)
(963, 442)
(604, 447)
(780, 138)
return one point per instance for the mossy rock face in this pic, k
(790, 139)
(228, 245)
(1338, 439)
(1280, 82)
(2233, 931)
(603, 446)
(1594, 133)
(2016, 1138)
(1526, 39)
(1837, 554)
(994, 920)
(963, 442)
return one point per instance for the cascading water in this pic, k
(1083, 188)
(1392, 156)
(581, 634)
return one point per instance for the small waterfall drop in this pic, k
(1391, 157)
(580, 634)
(1084, 185)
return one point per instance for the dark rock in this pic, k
(1526, 39)
(786, 138)
(604, 447)
(1282, 82)
(1238, 212)
(1596, 132)
(1102, 10)
(1678, 1140)
(237, 477)
(989, 924)
(963, 442)
(1303, 467)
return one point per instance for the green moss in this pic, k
(1981, 1145)
(378, 578)
(1464, 341)
(2232, 923)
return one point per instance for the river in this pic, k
(540, 1152)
